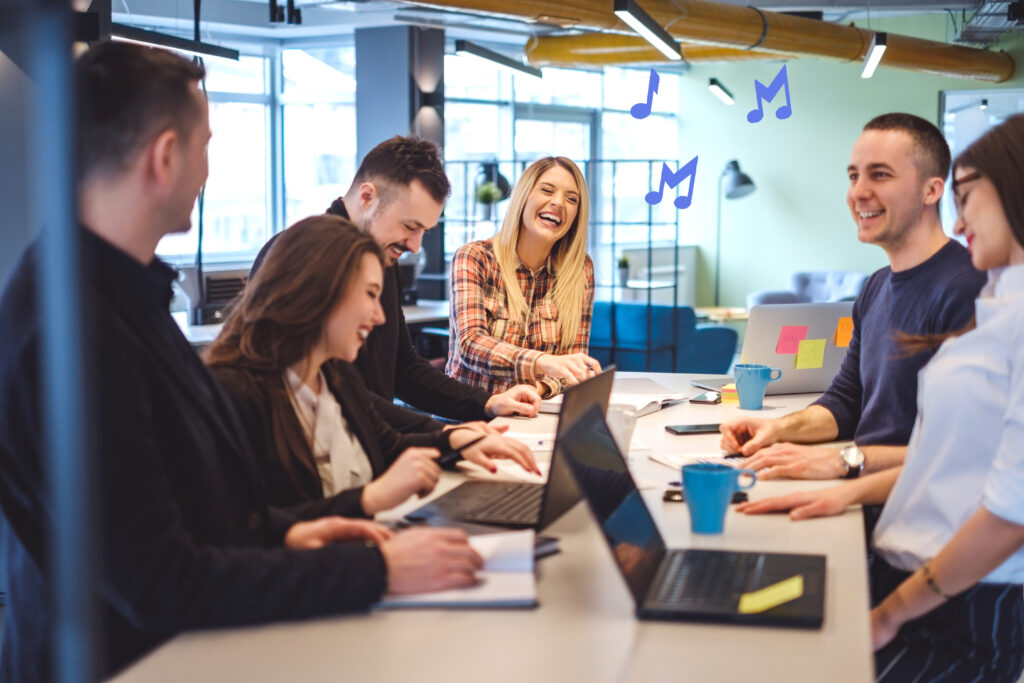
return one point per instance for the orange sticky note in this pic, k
(844, 332)
(811, 354)
(790, 337)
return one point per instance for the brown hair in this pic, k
(396, 162)
(126, 95)
(280, 316)
(931, 150)
(999, 156)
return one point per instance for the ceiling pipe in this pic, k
(703, 21)
(601, 49)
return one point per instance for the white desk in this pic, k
(584, 629)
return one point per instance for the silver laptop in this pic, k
(818, 333)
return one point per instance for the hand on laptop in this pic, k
(483, 452)
(423, 560)
(748, 435)
(522, 399)
(320, 532)
(791, 461)
(805, 504)
(415, 471)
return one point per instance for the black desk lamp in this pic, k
(734, 183)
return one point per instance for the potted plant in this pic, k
(488, 194)
(623, 270)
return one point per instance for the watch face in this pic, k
(852, 456)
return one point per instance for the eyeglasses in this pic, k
(958, 199)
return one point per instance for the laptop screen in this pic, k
(594, 391)
(604, 480)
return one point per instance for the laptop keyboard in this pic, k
(515, 504)
(712, 579)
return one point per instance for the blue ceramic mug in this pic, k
(709, 490)
(751, 381)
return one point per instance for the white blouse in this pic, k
(967, 449)
(340, 458)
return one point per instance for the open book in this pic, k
(506, 580)
(644, 404)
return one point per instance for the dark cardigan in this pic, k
(381, 443)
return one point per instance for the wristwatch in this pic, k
(852, 459)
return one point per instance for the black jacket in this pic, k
(381, 443)
(391, 367)
(184, 535)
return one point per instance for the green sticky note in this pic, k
(810, 354)
(772, 596)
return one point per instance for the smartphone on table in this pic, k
(708, 397)
(692, 429)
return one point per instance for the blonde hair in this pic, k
(569, 255)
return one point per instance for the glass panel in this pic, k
(321, 73)
(235, 223)
(623, 137)
(319, 156)
(625, 87)
(535, 139)
(469, 77)
(560, 86)
(247, 75)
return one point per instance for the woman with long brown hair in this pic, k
(522, 301)
(284, 356)
(949, 564)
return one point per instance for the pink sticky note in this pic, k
(790, 338)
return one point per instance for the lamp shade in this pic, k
(735, 182)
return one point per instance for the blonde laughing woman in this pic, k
(522, 300)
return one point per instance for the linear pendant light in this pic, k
(641, 22)
(465, 47)
(874, 56)
(720, 91)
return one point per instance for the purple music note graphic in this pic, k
(670, 178)
(642, 110)
(762, 93)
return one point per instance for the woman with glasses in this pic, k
(946, 578)
(522, 301)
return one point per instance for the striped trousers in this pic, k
(978, 636)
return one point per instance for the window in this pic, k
(319, 128)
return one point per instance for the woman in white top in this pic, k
(284, 358)
(946, 581)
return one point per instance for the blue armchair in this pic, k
(806, 286)
(706, 349)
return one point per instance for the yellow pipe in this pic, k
(703, 21)
(615, 48)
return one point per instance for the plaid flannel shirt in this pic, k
(487, 348)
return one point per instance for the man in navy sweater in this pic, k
(897, 176)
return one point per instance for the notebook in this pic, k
(506, 580)
(523, 504)
(645, 396)
(768, 589)
(806, 341)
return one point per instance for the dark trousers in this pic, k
(976, 636)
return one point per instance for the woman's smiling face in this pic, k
(551, 206)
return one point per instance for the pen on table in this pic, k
(451, 456)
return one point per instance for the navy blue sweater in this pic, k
(874, 395)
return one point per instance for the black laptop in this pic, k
(520, 504)
(684, 584)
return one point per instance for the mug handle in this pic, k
(753, 479)
(774, 375)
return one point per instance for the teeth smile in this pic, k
(870, 214)
(363, 333)
(551, 218)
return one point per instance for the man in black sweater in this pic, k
(185, 538)
(397, 195)
(897, 176)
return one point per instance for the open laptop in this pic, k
(524, 505)
(683, 584)
(773, 335)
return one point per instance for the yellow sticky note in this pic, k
(810, 354)
(844, 332)
(772, 596)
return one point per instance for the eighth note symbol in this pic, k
(642, 110)
(762, 93)
(670, 178)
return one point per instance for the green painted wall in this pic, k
(797, 219)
